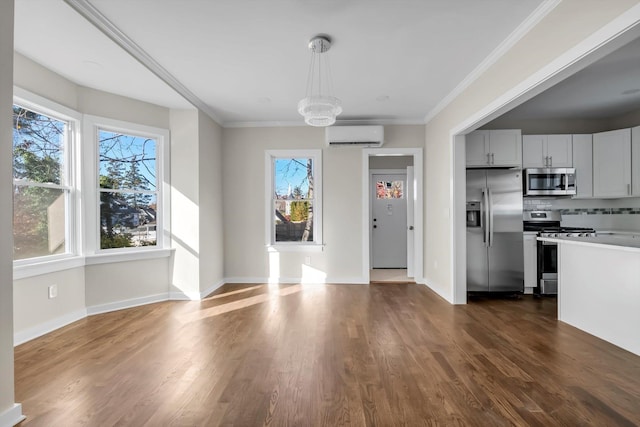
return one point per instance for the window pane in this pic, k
(293, 178)
(389, 189)
(38, 221)
(127, 161)
(127, 219)
(294, 220)
(38, 144)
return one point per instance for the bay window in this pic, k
(43, 183)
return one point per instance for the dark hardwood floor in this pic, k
(331, 355)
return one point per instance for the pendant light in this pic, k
(319, 107)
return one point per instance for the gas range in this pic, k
(567, 232)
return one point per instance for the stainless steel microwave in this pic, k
(550, 182)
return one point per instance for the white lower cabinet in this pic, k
(530, 249)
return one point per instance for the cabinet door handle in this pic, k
(550, 161)
(629, 189)
(488, 158)
(492, 159)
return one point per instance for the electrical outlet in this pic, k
(307, 260)
(53, 291)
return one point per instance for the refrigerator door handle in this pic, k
(485, 217)
(490, 221)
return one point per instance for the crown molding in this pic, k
(108, 28)
(532, 20)
(298, 123)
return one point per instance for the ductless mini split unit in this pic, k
(354, 136)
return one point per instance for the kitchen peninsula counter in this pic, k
(599, 286)
(623, 241)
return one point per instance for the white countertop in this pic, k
(628, 242)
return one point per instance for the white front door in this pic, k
(389, 220)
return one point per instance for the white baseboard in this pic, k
(212, 288)
(183, 296)
(12, 416)
(129, 303)
(440, 290)
(22, 337)
(294, 280)
(252, 280)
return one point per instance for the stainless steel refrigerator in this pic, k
(495, 261)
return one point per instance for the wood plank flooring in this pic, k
(327, 355)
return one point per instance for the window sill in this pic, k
(107, 258)
(295, 247)
(24, 271)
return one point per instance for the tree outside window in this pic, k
(294, 197)
(128, 190)
(41, 187)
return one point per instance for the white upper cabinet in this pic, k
(635, 161)
(546, 151)
(477, 148)
(583, 163)
(612, 163)
(494, 148)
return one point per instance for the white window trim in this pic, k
(92, 201)
(73, 218)
(318, 243)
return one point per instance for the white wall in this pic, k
(36, 314)
(211, 183)
(244, 175)
(562, 29)
(9, 413)
(114, 285)
(37, 79)
(196, 204)
(185, 203)
(390, 162)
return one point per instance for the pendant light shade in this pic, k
(319, 107)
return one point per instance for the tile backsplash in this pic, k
(600, 214)
(600, 211)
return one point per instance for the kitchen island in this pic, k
(599, 286)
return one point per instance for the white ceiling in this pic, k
(247, 60)
(607, 88)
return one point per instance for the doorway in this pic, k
(392, 215)
(614, 35)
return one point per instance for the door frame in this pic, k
(417, 154)
(382, 172)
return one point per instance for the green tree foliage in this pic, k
(126, 163)
(37, 158)
(299, 211)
